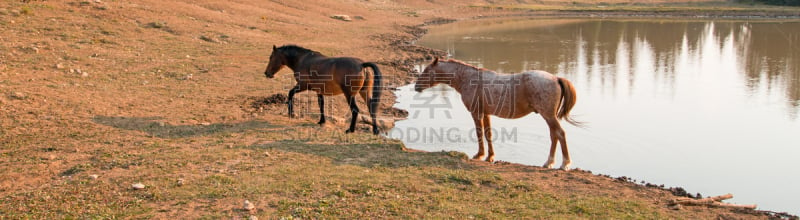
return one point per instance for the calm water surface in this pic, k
(709, 105)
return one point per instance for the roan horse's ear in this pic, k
(435, 61)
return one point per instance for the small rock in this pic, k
(84, 74)
(252, 217)
(266, 153)
(205, 123)
(342, 17)
(248, 206)
(180, 182)
(156, 24)
(137, 186)
(94, 176)
(18, 95)
(189, 77)
(59, 66)
(208, 39)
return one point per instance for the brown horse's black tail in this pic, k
(376, 80)
(569, 99)
(376, 94)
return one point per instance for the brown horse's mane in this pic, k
(292, 50)
(465, 64)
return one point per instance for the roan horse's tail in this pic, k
(376, 80)
(569, 99)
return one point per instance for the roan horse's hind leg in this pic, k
(557, 135)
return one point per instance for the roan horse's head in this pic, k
(428, 77)
(277, 60)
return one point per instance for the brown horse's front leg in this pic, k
(321, 102)
(290, 100)
(478, 119)
(354, 111)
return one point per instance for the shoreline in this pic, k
(675, 190)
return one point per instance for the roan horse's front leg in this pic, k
(487, 131)
(478, 119)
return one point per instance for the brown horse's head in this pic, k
(427, 78)
(277, 60)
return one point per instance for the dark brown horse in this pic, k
(485, 93)
(329, 76)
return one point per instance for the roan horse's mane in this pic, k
(465, 64)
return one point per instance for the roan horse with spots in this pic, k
(485, 93)
(329, 76)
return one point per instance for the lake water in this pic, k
(708, 105)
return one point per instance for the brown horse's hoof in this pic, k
(478, 157)
(348, 131)
(490, 159)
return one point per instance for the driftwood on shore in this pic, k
(715, 201)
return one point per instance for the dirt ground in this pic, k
(97, 95)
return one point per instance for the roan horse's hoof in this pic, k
(565, 165)
(548, 164)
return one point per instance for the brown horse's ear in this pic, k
(435, 61)
(274, 47)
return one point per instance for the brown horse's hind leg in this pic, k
(478, 119)
(372, 105)
(557, 135)
(351, 100)
(487, 131)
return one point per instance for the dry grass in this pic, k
(154, 92)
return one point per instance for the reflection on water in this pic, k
(767, 54)
(708, 105)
